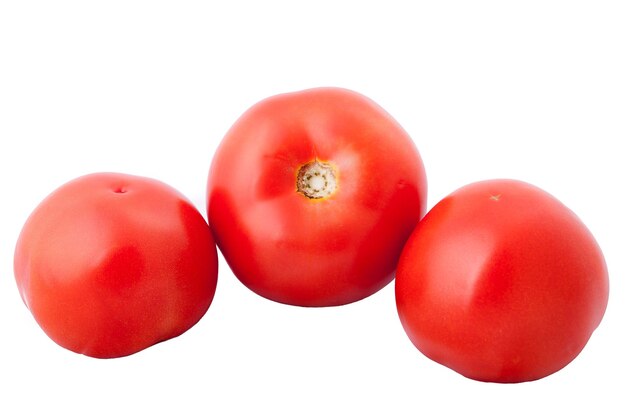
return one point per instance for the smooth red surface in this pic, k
(300, 251)
(110, 264)
(501, 282)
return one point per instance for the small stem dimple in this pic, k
(316, 180)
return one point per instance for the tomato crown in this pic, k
(317, 179)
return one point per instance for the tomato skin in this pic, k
(110, 264)
(501, 282)
(315, 252)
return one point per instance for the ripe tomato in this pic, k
(312, 194)
(501, 282)
(110, 264)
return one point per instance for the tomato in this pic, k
(501, 282)
(312, 194)
(110, 264)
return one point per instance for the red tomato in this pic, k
(312, 194)
(110, 264)
(501, 282)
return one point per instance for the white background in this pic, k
(533, 90)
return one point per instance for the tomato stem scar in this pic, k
(316, 180)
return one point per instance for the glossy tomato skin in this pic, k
(501, 282)
(305, 251)
(110, 264)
